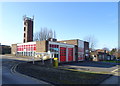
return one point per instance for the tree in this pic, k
(92, 41)
(113, 51)
(54, 34)
(118, 53)
(44, 34)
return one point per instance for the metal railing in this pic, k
(43, 56)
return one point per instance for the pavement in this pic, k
(115, 79)
(112, 80)
(19, 58)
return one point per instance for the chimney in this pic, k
(105, 51)
(52, 39)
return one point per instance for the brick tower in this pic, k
(28, 29)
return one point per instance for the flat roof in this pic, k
(62, 43)
(72, 39)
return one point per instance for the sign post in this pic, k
(42, 58)
(33, 60)
(50, 54)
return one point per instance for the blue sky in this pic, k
(70, 20)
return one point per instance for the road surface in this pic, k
(10, 76)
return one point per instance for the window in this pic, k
(24, 40)
(22, 53)
(56, 55)
(18, 53)
(24, 29)
(24, 23)
(86, 51)
(30, 53)
(54, 48)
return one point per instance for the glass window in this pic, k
(21, 53)
(26, 53)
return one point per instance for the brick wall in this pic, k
(75, 42)
(41, 46)
(28, 31)
(14, 49)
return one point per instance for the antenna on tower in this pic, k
(24, 17)
(33, 17)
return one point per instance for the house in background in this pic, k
(102, 55)
(5, 49)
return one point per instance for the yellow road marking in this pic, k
(114, 70)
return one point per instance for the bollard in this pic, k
(55, 64)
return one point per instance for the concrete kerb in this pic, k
(87, 71)
(74, 68)
(13, 70)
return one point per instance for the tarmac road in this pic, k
(92, 66)
(10, 76)
(13, 78)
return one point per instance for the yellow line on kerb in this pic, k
(114, 70)
(88, 71)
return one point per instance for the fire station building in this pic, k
(65, 51)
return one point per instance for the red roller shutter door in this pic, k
(70, 54)
(62, 54)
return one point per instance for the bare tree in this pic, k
(54, 34)
(36, 36)
(44, 34)
(92, 41)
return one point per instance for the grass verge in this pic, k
(60, 76)
(112, 61)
